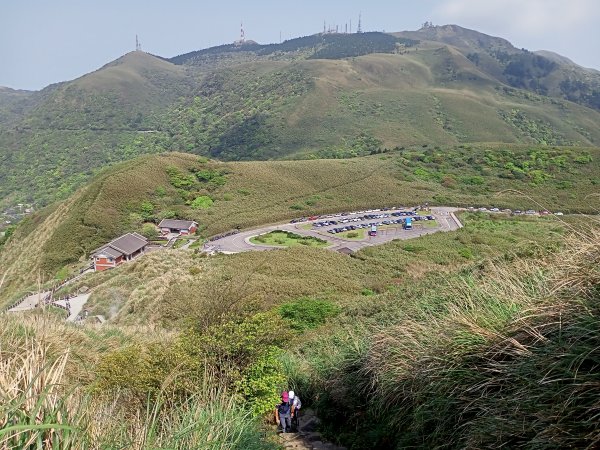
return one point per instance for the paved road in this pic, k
(240, 242)
(75, 305)
(30, 302)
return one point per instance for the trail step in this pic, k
(308, 438)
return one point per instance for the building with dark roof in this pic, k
(116, 252)
(177, 226)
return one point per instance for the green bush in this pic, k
(149, 231)
(263, 381)
(202, 202)
(307, 313)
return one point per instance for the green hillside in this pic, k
(322, 96)
(14, 104)
(222, 196)
(541, 72)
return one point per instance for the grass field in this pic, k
(287, 239)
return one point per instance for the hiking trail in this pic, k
(307, 437)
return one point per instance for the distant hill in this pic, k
(316, 46)
(14, 104)
(542, 72)
(320, 96)
(130, 93)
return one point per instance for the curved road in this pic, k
(237, 243)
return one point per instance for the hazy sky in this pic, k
(46, 41)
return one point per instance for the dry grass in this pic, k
(45, 404)
(505, 355)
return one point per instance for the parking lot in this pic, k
(335, 228)
(368, 220)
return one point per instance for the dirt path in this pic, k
(308, 438)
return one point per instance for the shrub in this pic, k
(150, 231)
(307, 313)
(180, 180)
(262, 382)
(202, 202)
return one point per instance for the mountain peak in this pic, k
(462, 38)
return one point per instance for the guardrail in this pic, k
(222, 235)
(49, 297)
(18, 302)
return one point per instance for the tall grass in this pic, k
(508, 356)
(43, 407)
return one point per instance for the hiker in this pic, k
(296, 405)
(283, 413)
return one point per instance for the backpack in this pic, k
(297, 403)
(283, 408)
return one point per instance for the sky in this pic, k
(47, 41)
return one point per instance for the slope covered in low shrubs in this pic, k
(503, 355)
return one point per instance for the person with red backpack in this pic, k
(283, 413)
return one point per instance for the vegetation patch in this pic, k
(288, 239)
(355, 235)
(201, 202)
(307, 313)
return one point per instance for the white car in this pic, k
(558, 214)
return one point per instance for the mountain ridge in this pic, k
(279, 101)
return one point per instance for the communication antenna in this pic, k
(350, 26)
(324, 27)
(359, 29)
(138, 45)
(242, 35)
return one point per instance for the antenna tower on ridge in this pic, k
(359, 29)
(242, 35)
(138, 45)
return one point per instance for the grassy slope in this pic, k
(75, 128)
(504, 353)
(174, 287)
(271, 110)
(254, 193)
(456, 357)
